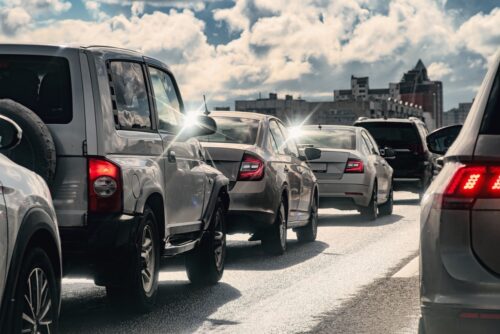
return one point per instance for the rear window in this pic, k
(491, 119)
(331, 138)
(236, 130)
(393, 135)
(41, 83)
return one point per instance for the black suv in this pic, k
(413, 162)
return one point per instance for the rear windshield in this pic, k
(236, 130)
(331, 138)
(393, 135)
(491, 119)
(40, 83)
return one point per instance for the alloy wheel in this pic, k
(282, 227)
(219, 240)
(38, 303)
(148, 259)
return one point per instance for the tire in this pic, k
(371, 211)
(421, 326)
(37, 278)
(387, 208)
(37, 151)
(274, 241)
(309, 232)
(140, 287)
(205, 264)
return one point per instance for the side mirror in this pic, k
(200, 125)
(387, 153)
(440, 140)
(311, 153)
(10, 133)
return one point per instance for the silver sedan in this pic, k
(352, 172)
(271, 186)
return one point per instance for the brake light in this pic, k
(252, 169)
(354, 166)
(470, 183)
(104, 186)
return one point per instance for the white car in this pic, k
(352, 172)
(30, 250)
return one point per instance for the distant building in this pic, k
(345, 112)
(360, 90)
(416, 87)
(222, 109)
(457, 115)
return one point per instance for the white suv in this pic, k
(30, 250)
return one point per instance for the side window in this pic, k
(130, 98)
(365, 146)
(166, 100)
(277, 136)
(272, 143)
(371, 148)
(373, 142)
(290, 142)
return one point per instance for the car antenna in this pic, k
(207, 112)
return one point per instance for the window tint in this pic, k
(40, 83)
(279, 138)
(328, 138)
(491, 118)
(130, 95)
(393, 135)
(166, 100)
(234, 130)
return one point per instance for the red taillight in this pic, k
(354, 166)
(469, 183)
(104, 186)
(252, 169)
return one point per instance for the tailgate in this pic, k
(331, 165)
(225, 157)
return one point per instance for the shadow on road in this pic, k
(355, 220)
(407, 201)
(89, 311)
(243, 255)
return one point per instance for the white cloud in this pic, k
(41, 7)
(137, 8)
(12, 19)
(94, 9)
(438, 70)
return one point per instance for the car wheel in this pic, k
(140, 286)
(421, 327)
(37, 295)
(274, 242)
(205, 264)
(309, 232)
(371, 211)
(387, 208)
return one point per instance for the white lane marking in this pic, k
(410, 270)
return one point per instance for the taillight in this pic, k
(252, 169)
(470, 183)
(104, 186)
(354, 166)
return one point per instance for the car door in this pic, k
(302, 172)
(3, 237)
(184, 178)
(288, 167)
(380, 164)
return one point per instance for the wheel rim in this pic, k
(219, 241)
(148, 258)
(374, 202)
(283, 229)
(37, 311)
(314, 217)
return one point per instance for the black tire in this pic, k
(387, 208)
(36, 267)
(309, 232)
(421, 327)
(371, 211)
(140, 281)
(37, 151)
(205, 264)
(274, 240)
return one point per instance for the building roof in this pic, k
(379, 91)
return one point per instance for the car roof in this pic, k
(242, 114)
(55, 47)
(331, 127)
(389, 120)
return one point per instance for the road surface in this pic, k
(358, 277)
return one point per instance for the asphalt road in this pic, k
(358, 277)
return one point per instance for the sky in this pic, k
(236, 49)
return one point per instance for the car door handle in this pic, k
(171, 156)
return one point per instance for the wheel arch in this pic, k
(156, 203)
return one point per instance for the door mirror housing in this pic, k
(199, 125)
(10, 133)
(387, 153)
(440, 140)
(311, 153)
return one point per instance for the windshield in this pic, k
(237, 130)
(393, 135)
(331, 138)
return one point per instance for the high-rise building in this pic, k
(457, 115)
(416, 87)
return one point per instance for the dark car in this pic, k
(413, 162)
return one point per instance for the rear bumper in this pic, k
(104, 245)
(346, 196)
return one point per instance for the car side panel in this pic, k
(3, 241)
